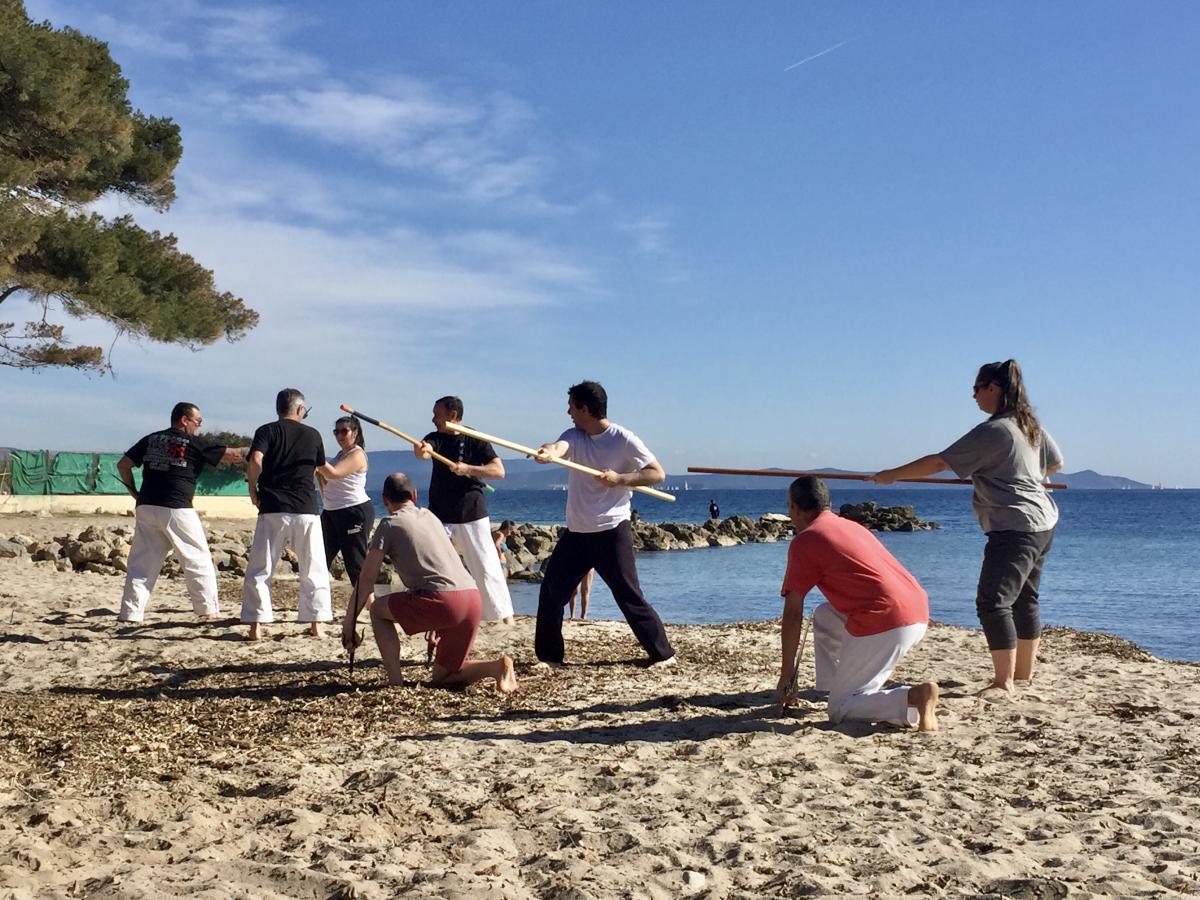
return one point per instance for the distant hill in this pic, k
(1089, 480)
(525, 474)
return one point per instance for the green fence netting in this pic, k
(72, 473)
(30, 474)
(222, 482)
(107, 480)
(96, 473)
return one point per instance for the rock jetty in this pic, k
(105, 549)
(530, 545)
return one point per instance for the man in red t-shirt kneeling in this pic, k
(876, 612)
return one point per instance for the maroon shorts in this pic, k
(454, 615)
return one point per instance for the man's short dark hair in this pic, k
(450, 404)
(809, 493)
(182, 409)
(287, 400)
(398, 488)
(590, 395)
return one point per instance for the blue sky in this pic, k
(765, 263)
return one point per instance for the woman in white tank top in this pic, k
(348, 515)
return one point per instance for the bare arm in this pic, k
(353, 463)
(552, 451)
(253, 470)
(644, 477)
(125, 473)
(493, 471)
(918, 468)
(364, 596)
(789, 638)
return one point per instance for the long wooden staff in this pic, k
(529, 451)
(848, 476)
(408, 437)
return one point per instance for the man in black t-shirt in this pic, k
(280, 468)
(170, 460)
(456, 497)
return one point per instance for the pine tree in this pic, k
(68, 135)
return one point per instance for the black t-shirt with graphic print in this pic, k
(171, 461)
(453, 498)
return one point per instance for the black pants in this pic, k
(610, 553)
(348, 530)
(1007, 599)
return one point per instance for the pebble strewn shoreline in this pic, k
(104, 549)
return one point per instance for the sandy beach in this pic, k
(173, 758)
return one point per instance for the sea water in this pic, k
(1124, 562)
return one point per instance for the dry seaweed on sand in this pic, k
(163, 721)
(1096, 644)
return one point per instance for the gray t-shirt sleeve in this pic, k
(1052, 457)
(975, 450)
(379, 538)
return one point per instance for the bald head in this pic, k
(398, 488)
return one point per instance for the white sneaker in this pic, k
(544, 668)
(665, 663)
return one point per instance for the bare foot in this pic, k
(545, 668)
(507, 620)
(996, 691)
(923, 698)
(507, 682)
(314, 629)
(253, 635)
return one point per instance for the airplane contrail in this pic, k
(809, 59)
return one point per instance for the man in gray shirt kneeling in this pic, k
(441, 596)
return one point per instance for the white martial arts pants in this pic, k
(854, 669)
(158, 531)
(272, 533)
(483, 562)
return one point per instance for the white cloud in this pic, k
(297, 267)
(253, 41)
(649, 234)
(652, 239)
(474, 143)
(142, 38)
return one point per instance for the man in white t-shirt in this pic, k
(599, 534)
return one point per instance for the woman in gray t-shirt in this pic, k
(1007, 458)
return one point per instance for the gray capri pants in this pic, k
(1007, 598)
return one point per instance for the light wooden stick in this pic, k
(408, 437)
(794, 681)
(566, 463)
(848, 476)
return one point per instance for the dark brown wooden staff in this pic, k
(846, 476)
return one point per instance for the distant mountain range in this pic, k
(525, 474)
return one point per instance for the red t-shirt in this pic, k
(857, 575)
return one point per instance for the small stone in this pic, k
(11, 550)
(693, 880)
